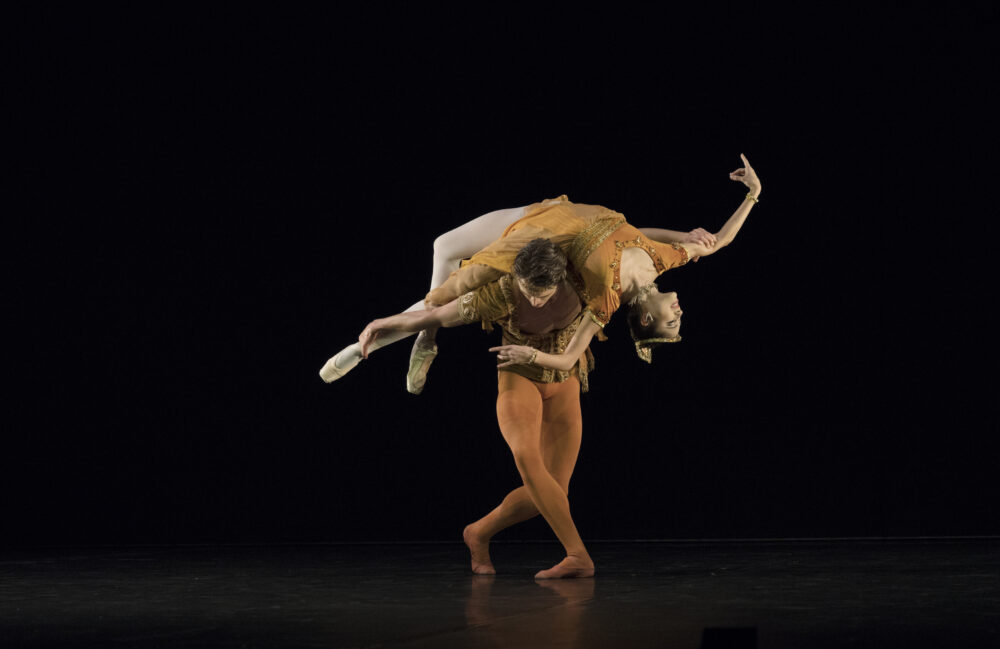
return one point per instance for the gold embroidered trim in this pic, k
(590, 239)
(466, 311)
(599, 317)
(681, 249)
(641, 242)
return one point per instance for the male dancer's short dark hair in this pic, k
(541, 264)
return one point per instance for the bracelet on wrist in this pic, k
(752, 197)
(534, 355)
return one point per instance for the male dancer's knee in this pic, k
(529, 465)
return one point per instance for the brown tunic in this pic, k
(548, 328)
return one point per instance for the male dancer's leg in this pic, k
(562, 419)
(561, 429)
(520, 415)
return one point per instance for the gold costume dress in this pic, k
(593, 238)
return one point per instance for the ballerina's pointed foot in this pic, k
(345, 361)
(421, 357)
(480, 551)
(572, 567)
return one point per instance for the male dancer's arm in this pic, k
(411, 321)
(698, 235)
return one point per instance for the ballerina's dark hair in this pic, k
(541, 264)
(646, 336)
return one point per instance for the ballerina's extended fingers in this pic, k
(745, 172)
(749, 175)
(510, 355)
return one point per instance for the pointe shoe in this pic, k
(420, 361)
(331, 372)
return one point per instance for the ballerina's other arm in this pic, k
(523, 355)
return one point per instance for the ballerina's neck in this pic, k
(637, 270)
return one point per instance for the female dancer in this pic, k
(613, 260)
(538, 409)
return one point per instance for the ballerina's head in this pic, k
(654, 318)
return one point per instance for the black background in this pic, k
(204, 207)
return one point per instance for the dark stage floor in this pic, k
(774, 595)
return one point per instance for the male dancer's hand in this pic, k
(369, 335)
(700, 236)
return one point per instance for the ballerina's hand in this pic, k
(747, 176)
(700, 236)
(513, 355)
(369, 335)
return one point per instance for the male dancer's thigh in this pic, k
(519, 413)
(562, 429)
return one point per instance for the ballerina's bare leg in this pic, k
(449, 249)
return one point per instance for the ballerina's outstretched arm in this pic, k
(725, 236)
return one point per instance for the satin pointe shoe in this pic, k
(333, 371)
(420, 361)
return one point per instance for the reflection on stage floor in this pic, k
(774, 595)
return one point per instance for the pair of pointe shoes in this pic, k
(416, 377)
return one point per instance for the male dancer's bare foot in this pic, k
(572, 567)
(480, 550)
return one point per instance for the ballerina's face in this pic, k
(666, 311)
(535, 295)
